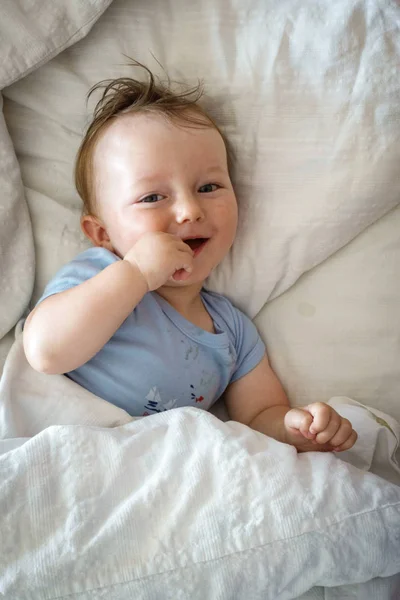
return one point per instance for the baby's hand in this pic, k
(321, 425)
(159, 256)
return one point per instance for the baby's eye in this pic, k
(208, 188)
(151, 198)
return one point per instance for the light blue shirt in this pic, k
(157, 360)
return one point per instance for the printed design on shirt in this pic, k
(155, 404)
(193, 396)
(192, 352)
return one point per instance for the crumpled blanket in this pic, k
(93, 501)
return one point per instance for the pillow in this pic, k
(336, 332)
(307, 92)
(30, 34)
(17, 263)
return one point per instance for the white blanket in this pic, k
(93, 502)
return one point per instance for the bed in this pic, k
(186, 504)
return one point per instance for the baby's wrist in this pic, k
(135, 269)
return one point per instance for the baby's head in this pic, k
(153, 160)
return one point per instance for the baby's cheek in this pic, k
(228, 219)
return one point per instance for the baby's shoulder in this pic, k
(84, 266)
(98, 257)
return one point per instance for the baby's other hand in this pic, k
(319, 427)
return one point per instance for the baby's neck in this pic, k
(187, 302)
(186, 299)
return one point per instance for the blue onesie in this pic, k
(158, 360)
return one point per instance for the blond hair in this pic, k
(125, 95)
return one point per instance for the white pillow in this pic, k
(336, 332)
(17, 262)
(30, 34)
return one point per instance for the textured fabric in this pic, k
(157, 360)
(31, 33)
(176, 505)
(376, 449)
(16, 241)
(337, 331)
(35, 31)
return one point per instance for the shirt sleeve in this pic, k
(83, 267)
(250, 348)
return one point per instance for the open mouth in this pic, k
(196, 244)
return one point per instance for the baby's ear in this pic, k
(94, 229)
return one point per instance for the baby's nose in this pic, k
(188, 208)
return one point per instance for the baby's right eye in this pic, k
(151, 198)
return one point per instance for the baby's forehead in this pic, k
(141, 119)
(139, 129)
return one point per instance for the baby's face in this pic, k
(153, 175)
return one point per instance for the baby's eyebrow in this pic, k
(148, 178)
(215, 170)
(154, 177)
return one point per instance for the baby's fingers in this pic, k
(330, 431)
(182, 247)
(342, 434)
(299, 421)
(184, 269)
(182, 274)
(322, 414)
(349, 443)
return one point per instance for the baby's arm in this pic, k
(259, 401)
(67, 329)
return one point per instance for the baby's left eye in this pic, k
(208, 188)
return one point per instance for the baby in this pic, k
(129, 319)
